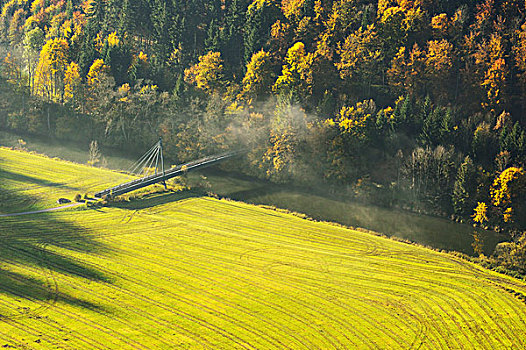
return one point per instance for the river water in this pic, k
(427, 230)
(436, 232)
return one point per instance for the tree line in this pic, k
(419, 104)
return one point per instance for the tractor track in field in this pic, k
(42, 210)
(103, 235)
(212, 296)
(185, 301)
(270, 269)
(24, 327)
(139, 312)
(47, 306)
(165, 307)
(304, 305)
(373, 248)
(117, 251)
(364, 337)
(56, 293)
(52, 289)
(339, 303)
(9, 339)
(462, 265)
(235, 307)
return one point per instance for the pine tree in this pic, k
(212, 38)
(260, 16)
(95, 25)
(232, 35)
(126, 20)
(161, 14)
(464, 188)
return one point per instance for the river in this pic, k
(439, 233)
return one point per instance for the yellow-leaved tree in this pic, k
(480, 215)
(49, 74)
(296, 74)
(207, 75)
(258, 78)
(95, 90)
(508, 195)
(360, 56)
(72, 82)
(97, 68)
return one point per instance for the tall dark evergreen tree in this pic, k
(464, 188)
(232, 48)
(161, 17)
(259, 18)
(213, 37)
(118, 58)
(94, 25)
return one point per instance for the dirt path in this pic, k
(43, 210)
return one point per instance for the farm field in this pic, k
(182, 271)
(439, 233)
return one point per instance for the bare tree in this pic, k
(94, 153)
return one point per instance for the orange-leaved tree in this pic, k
(508, 195)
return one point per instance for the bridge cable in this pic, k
(148, 164)
(137, 165)
(140, 166)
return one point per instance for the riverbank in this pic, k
(436, 232)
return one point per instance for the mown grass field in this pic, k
(183, 271)
(440, 233)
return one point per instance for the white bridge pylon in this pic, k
(151, 162)
(150, 168)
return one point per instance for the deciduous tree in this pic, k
(296, 74)
(207, 75)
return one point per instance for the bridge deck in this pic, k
(168, 174)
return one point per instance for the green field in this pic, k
(182, 271)
(436, 232)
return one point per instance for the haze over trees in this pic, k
(418, 104)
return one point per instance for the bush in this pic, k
(78, 197)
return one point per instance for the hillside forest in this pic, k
(415, 104)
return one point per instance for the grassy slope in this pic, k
(436, 232)
(427, 230)
(193, 272)
(36, 182)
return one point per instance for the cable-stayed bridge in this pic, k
(151, 169)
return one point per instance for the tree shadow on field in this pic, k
(11, 201)
(28, 262)
(8, 175)
(154, 200)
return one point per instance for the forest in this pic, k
(414, 104)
